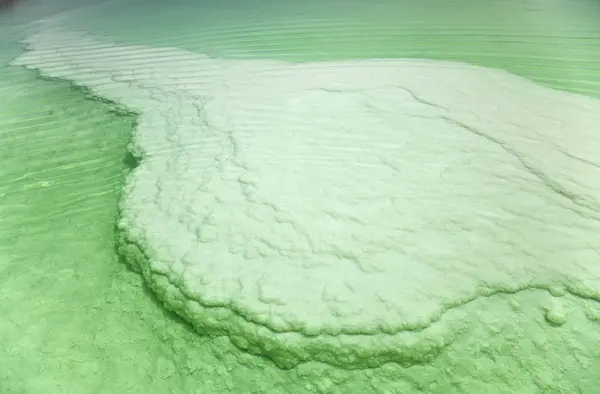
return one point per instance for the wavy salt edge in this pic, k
(289, 349)
(55, 53)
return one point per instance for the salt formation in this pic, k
(337, 210)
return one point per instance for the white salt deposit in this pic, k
(277, 200)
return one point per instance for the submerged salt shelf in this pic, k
(336, 210)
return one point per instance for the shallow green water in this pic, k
(554, 42)
(74, 319)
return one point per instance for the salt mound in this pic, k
(336, 210)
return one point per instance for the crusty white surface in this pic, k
(343, 197)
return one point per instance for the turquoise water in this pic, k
(75, 319)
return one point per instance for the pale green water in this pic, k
(76, 320)
(554, 42)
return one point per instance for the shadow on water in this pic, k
(150, 294)
(130, 162)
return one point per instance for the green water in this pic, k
(553, 42)
(74, 319)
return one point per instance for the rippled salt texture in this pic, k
(342, 197)
(57, 260)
